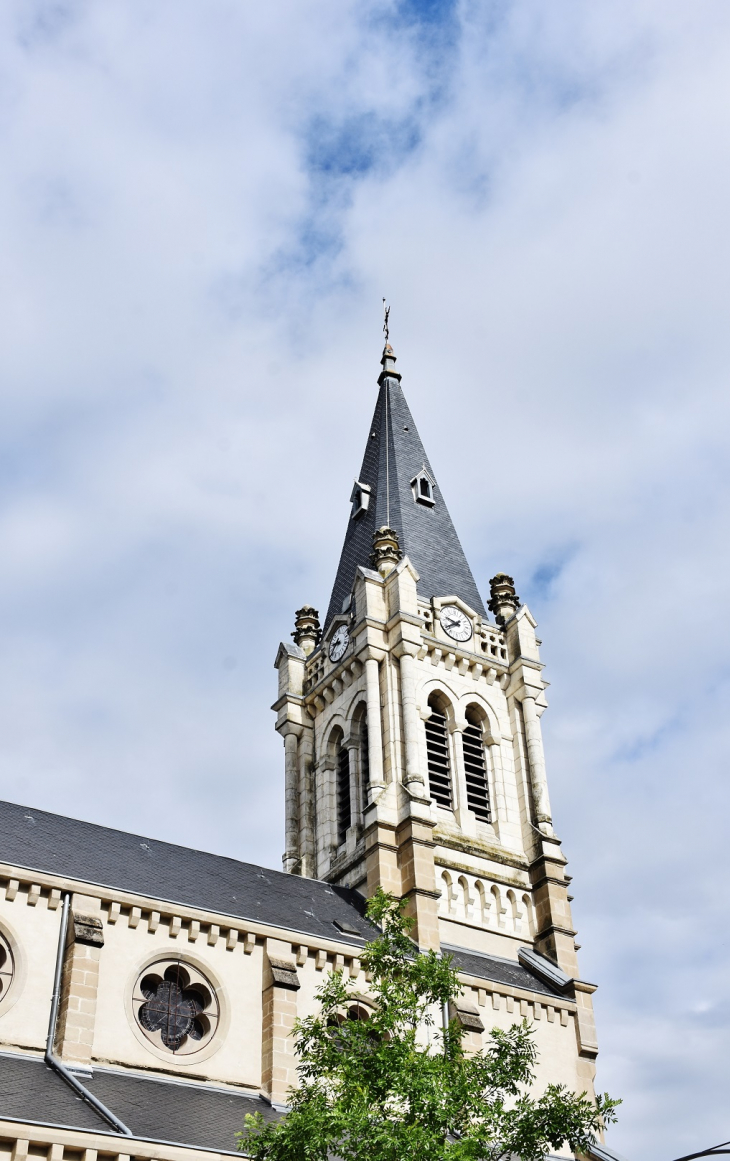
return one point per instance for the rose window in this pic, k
(7, 967)
(176, 1007)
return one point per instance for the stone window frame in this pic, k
(360, 499)
(423, 486)
(444, 706)
(195, 965)
(11, 991)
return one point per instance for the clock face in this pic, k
(455, 623)
(338, 644)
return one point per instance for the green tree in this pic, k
(397, 1086)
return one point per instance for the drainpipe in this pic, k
(445, 1020)
(51, 1060)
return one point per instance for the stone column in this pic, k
(80, 981)
(375, 725)
(280, 984)
(464, 817)
(500, 814)
(536, 762)
(326, 795)
(410, 718)
(291, 798)
(353, 749)
(306, 803)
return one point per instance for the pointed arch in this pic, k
(447, 894)
(467, 898)
(529, 916)
(499, 908)
(438, 752)
(483, 901)
(514, 912)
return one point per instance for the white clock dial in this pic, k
(338, 644)
(455, 623)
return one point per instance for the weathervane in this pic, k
(386, 322)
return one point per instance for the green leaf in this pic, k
(399, 1087)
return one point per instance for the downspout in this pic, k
(51, 1060)
(445, 1019)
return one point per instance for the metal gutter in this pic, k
(52, 1060)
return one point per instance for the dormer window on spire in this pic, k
(422, 486)
(360, 499)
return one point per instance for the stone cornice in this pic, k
(488, 874)
(501, 989)
(480, 850)
(164, 909)
(287, 699)
(485, 659)
(529, 662)
(552, 929)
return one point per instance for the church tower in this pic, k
(411, 725)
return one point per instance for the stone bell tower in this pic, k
(411, 725)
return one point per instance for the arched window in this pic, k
(437, 750)
(475, 766)
(344, 808)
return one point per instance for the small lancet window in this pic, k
(475, 767)
(437, 752)
(423, 487)
(360, 499)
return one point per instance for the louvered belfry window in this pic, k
(343, 794)
(437, 750)
(475, 765)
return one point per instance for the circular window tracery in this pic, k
(7, 967)
(176, 1007)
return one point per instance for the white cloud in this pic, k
(200, 208)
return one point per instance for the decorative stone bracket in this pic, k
(86, 929)
(466, 1015)
(284, 974)
(280, 986)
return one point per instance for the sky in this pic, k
(201, 209)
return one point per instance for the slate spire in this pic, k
(397, 488)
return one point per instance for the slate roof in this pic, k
(427, 535)
(37, 840)
(184, 1113)
(30, 1090)
(498, 969)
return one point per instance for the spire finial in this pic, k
(388, 359)
(306, 628)
(386, 550)
(504, 601)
